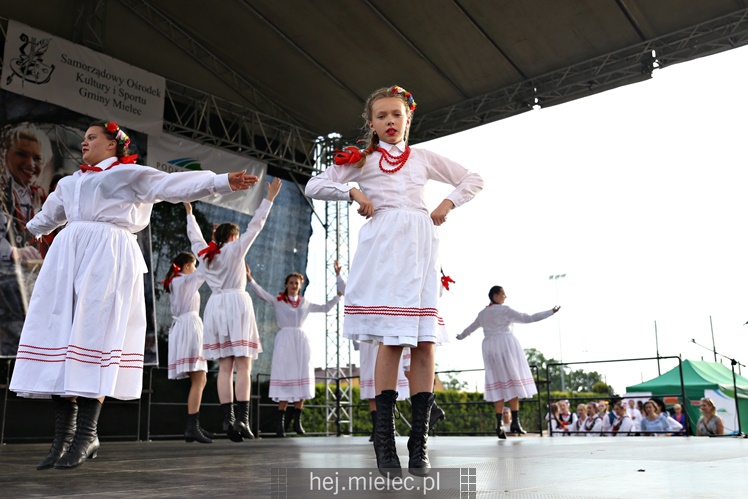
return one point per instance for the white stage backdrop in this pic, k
(172, 154)
(51, 69)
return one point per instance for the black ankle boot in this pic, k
(280, 424)
(193, 432)
(437, 414)
(418, 462)
(384, 435)
(66, 413)
(228, 422)
(515, 427)
(241, 424)
(85, 444)
(500, 427)
(373, 415)
(206, 433)
(297, 422)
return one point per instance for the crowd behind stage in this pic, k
(629, 417)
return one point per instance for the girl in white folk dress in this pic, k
(186, 338)
(508, 375)
(231, 334)
(291, 371)
(84, 334)
(393, 287)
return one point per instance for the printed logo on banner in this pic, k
(51, 69)
(29, 65)
(186, 163)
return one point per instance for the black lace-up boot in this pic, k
(228, 422)
(66, 413)
(193, 433)
(418, 462)
(384, 435)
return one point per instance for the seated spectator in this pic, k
(605, 416)
(656, 423)
(680, 417)
(593, 424)
(622, 424)
(634, 413)
(710, 424)
(506, 419)
(551, 419)
(577, 427)
(566, 419)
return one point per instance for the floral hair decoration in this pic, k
(119, 135)
(408, 96)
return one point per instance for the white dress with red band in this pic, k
(229, 317)
(508, 373)
(84, 333)
(368, 363)
(393, 286)
(186, 332)
(291, 372)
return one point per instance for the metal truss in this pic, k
(89, 24)
(602, 73)
(209, 120)
(222, 70)
(338, 368)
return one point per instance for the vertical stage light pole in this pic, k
(555, 279)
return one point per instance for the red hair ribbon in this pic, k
(347, 155)
(446, 280)
(282, 297)
(124, 160)
(209, 252)
(176, 268)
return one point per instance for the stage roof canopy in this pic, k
(311, 64)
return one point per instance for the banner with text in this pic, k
(172, 154)
(51, 69)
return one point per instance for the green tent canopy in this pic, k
(699, 375)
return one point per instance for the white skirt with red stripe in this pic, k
(186, 346)
(84, 333)
(508, 373)
(230, 328)
(291, 374)
(368, 362)
(393, 288)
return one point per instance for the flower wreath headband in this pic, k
(408, 96)
(120, 136)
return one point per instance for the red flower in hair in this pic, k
(112, 127)
(347, 156)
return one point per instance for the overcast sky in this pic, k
(637, 194)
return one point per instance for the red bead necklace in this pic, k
(294, 304)
(397, 161)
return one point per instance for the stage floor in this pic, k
(527, 466)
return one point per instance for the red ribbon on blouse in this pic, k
(347, 155)
(209, 252)
(124, 160)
